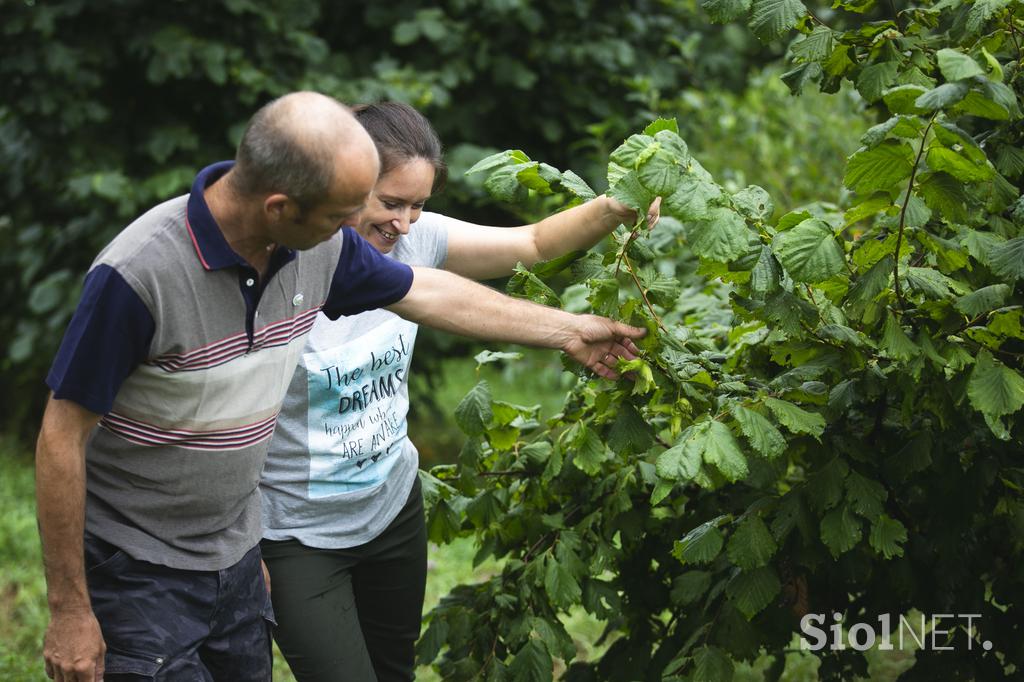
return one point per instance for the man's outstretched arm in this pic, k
(73, 648)
(454, 304)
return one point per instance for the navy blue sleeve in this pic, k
(108, 336)
(364, 279)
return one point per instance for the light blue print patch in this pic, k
(357, 409)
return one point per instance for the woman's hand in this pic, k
(627, 216)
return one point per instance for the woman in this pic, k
(345, 539)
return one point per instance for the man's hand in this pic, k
(598, 343)
(73, 647)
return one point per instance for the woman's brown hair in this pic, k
(401, 134)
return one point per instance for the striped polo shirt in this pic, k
(187, 354)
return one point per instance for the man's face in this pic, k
(301, 229)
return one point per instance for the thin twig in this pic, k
(643, 294)
(903, 214)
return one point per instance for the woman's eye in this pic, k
(417, 207)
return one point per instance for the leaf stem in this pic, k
(903, 214)
(643, 294)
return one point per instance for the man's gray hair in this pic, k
(278, 155)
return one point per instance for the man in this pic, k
(180, 351)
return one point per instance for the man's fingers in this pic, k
(621, 329)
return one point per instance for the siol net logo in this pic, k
(926, 634)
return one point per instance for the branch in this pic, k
(643, 294)
(903, 214)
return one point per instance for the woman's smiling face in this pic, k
(396, 202)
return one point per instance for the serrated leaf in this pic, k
(659, 124)
(503, 184)
(630, 432)
(711, 664)
(1010, 160)
(751, 591)
(488, 356)
(865, 496)
(874, 135)
(980, 12)
(562, 587)
(692, 198)
(901, 99)
(754, 202)
(497, 160)
(983, 300)
(945, 194)
(796, 419)
(590, 452)
(956, 65)
(817, 45)
(769, 19)
(842, 334)
(474, 412)
(942, 97)
(866, 209)
(701, 545)
(961, 168)
(895, 342)
(724, 11)
(721, 236)
(629, 151)
(762, 434)
(932, 283)
(532, 663)
(430, 643)
(994, 389)
(682, 461)
(631, 192)
(886, 536)
(840, 531)
(1007, 259)
(751, 545)
(690, 586)
(577, 186)
(723, 452)
(766, 275)
(879, 168)
(809, 252)
(875, 79)
(659, 173)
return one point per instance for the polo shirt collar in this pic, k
(211, 247)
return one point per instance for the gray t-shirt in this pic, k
(341, 464)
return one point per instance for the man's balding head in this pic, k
(299, 145)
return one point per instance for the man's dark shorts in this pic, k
(162, 623)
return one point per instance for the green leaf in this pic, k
(561, 585)
(816, 46)
(435, 637)
(878, 168)
(682, 461)
(895, 342)
(752, 591)
(865, 496)
(443, 523)
(531, 286)
(809, 252)
(886, 536)
(630, 432)
(692, 199)
(488, 356)
(690, 586)
(657, 125)
(1007, 259)
(722, 451)
(901, 99)
(875, 79)
(590, 452)
(659, 173)
(980, 12)
(766, 275)
(721, 236)
(942, 97)
(769, 19)
(796, 419)
(511, 156)
(751, 545)
(955, 65)
(711, 664)
(762, 434)
(701, 545)
(724, 11)
(983, 300)
(946, 195)
(932, 283)
(840, 531)
(943, 159)
(474, 411)
(1010, 161)
(994, 389)
(754, 202)
(629, 151)
(577, 186)
(631, 192)
(532, 663)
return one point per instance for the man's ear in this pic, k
(279, 207)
